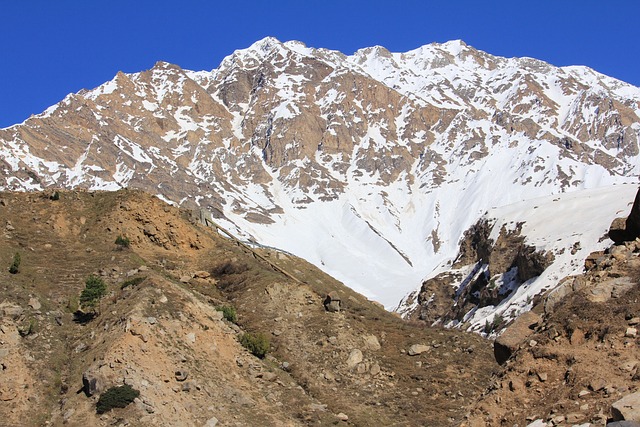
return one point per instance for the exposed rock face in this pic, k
(494, 271)
(627, 230)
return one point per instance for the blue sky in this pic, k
(51, 48)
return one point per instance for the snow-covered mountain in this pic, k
(371, 166)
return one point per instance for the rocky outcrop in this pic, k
(508, 261)
(626, 230)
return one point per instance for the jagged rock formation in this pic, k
(376, 159)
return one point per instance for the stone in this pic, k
(574, 417)
(631, 332)
(627, 408)
(375, 369)
(597, 384)
(620, 253)
(371, 342)
(13, 311)
(202, 274)
(342, 416)
(354, 358)
(35, 304)
(516, 384)
(513, 336)
(333, 302)
(211, 422)
(92, 383)
(181, 374)
(577, 337)
(542, 376)
(417, 349)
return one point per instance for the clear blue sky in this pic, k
(51, 48)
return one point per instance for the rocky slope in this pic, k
(573, 360)
(514, 254)
(158, 328)
(377, 159)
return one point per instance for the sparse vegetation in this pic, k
(258, 344)
(490, 327)
(95, 288)
(27, 329)
(229, 313)
(123, 241)
(116, 397)
(15, 266)
(132, 282)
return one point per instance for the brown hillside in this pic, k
(165, 338)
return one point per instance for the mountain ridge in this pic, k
(374, 155)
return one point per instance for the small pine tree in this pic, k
(15, 267)
(94, 289)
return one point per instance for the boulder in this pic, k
(371, 342)
(92, 382)
(417, 349)
(332, 302)
(511, 338)
(355, 357)
(627, 408)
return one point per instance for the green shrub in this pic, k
(123, 241)
(257, 344)
(116, 397)
(94, 289)
(15, 267)
(229, 313)
(132, 282)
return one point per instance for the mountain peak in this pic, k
(265, 45)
